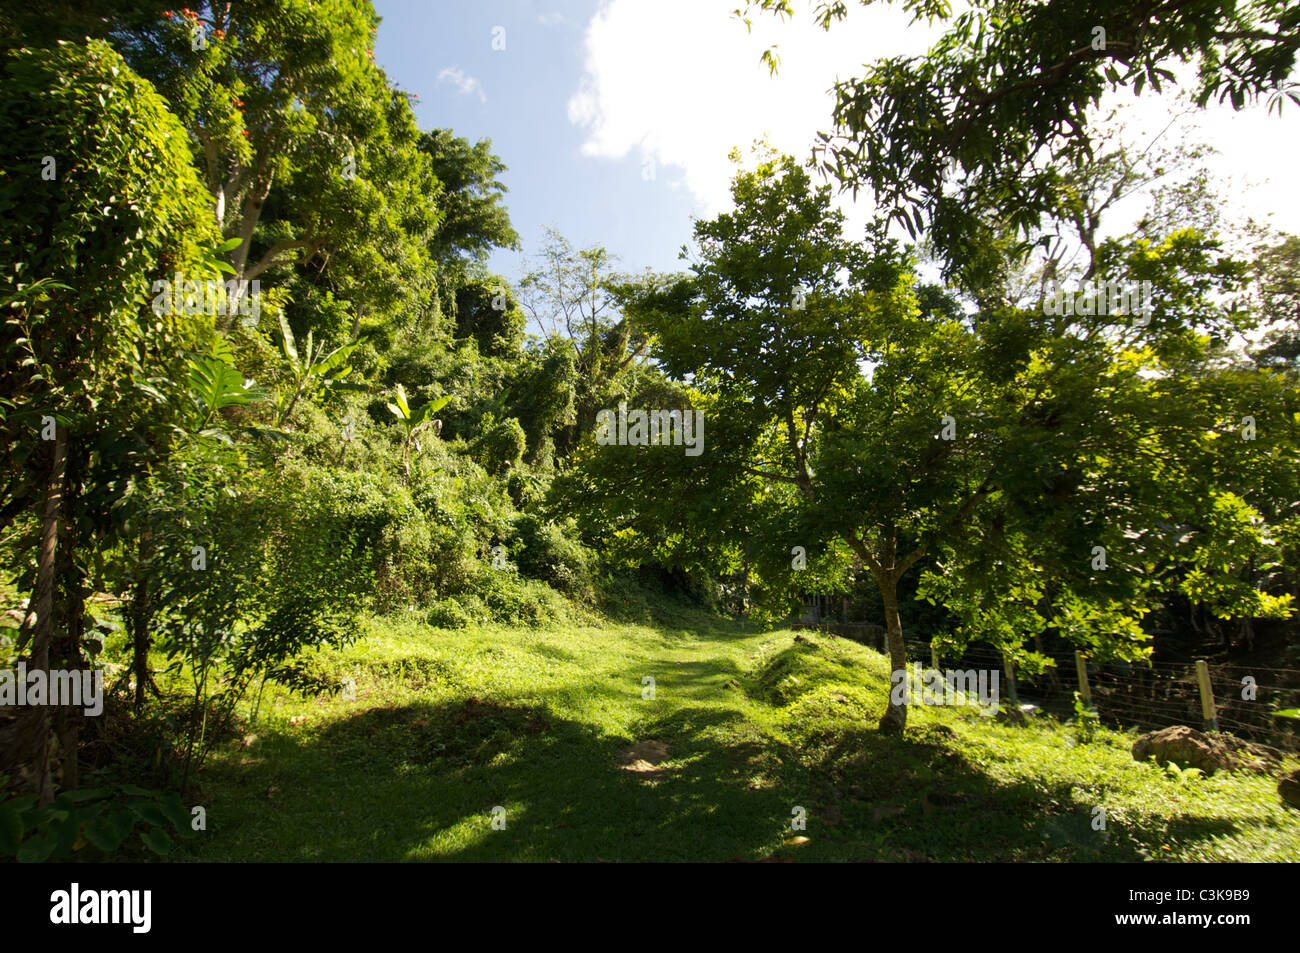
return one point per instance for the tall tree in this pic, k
(311, 158)
(847, 412)
(1006, 93)
(97, 196)
(473, 219)
(575, 295)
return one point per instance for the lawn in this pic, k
(556, 727)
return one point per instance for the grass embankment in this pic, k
(552, 726)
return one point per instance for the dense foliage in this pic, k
(259, 381)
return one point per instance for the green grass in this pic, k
(448, 725)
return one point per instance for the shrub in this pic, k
(503, 596)
(545, 553)
(502, 445)
(448, 614)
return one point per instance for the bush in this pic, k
(502, 445)
(449, 614)
(515, 601)
(545, 553)
(508, 599)
(391, 539)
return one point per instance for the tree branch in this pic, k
(268, 259)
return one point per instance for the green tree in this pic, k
(311, 372)
(575, 295)
(844, 417)
(97, 194)
(1277, 291)
(980, 123)
(488, 312)
(473, 219)
(311, 158)
(415, 423)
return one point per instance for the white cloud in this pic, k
(467, 84)
(681, 82)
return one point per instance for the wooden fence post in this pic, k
(1208, 712)
(1009, 668)
(1081, 666)
(934, 656)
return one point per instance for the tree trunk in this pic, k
(25, 743)
(139, 618)
(895, 717)
(70, 617)
(1053, 682)
(69, 655)
(140, 640)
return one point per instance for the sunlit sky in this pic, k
(616, 117)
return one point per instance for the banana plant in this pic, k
(415, 423)
(313, 370)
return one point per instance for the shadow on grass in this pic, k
(420, 781)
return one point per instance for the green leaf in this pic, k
(149, 812)
(290, 346)
(106, 834)
(230, 244)
(157, 841)
(82, 794)
(65, 834)
(216, 384)
(11, 827)
(428, 410)
(176, 813)
(1287, 713)
(334, 358)
(36, 850)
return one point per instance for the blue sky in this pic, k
(616, 116)
(518, 98)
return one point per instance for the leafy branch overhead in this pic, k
(973, 136)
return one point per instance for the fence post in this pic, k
(1081, 666)
(1009, 668)
(934, 656)
(1208, 712)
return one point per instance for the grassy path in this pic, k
(743, 728)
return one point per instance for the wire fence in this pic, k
(1242, 698)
